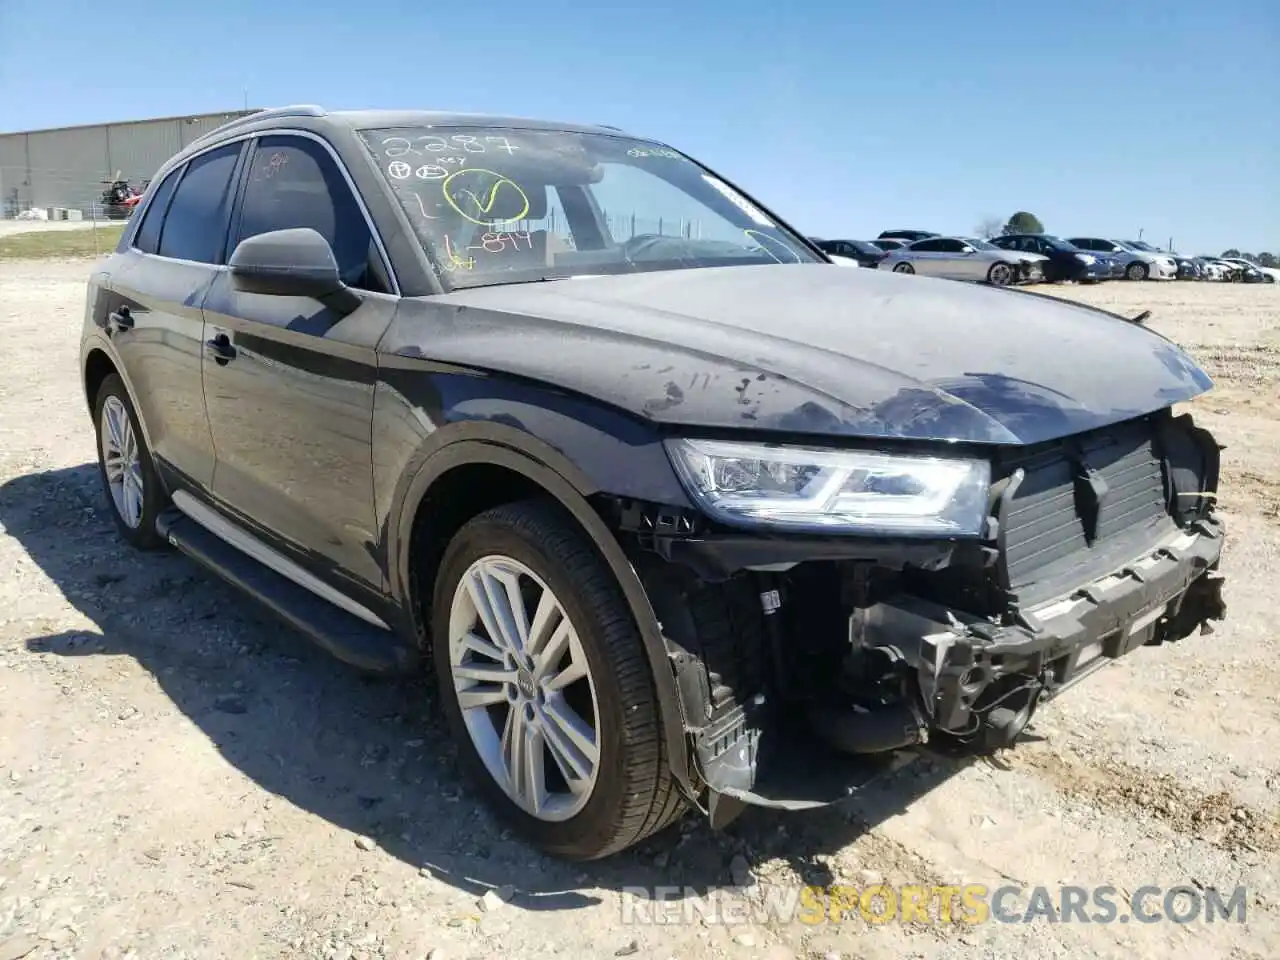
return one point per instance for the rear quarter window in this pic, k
(195, 225)
(148, 237)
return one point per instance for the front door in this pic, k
(152, 309)
(290, 392)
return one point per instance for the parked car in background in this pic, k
(1128, 263)
(1211, 269)
(867, 254)
(965, 258)
(889, 243)
(1189, 268)
(1231, 272)
(1150, 262)
(1253, 272)
(1065, 261)
(843, 261)
(907, 236)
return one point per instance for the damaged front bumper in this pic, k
(980, 682)
(970, 682)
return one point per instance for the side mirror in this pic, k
(291, 263)
(967, 249)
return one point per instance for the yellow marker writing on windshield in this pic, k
(489, 196)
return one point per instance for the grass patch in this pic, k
(60, 244)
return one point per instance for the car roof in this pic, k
(313, 117)
(383, 118)
(374, 119)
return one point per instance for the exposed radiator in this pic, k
(1084, 506)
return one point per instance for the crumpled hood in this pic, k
(853, 353)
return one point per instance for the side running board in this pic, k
(348, 637)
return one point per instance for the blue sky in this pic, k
(846, 117)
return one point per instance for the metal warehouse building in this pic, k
(65, 167)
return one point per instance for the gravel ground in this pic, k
(179, 777)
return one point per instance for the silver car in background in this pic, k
(1140, 261)
(966, 258)
(1150, 263)
(1134, 265)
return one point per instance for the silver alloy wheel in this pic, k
(1136, 271)
(1000, 274)
(122, 463)
(523, 686)
(903, 268)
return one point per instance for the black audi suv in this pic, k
(555, 412)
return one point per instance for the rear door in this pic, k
(152, 311)
(291, 411)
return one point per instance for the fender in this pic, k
(103, 345)
(498, 444)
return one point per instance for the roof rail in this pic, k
(295, 110)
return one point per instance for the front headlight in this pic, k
(851, 491)
(1085, 258)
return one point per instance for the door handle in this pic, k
(221, 349)
(118, 320)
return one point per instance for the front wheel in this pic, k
(903, 268)
(128, 474)
(1136, 271)
(546, 686)
(1000, 274)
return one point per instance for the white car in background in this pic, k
(1269, 274)
(1212, 270)
(843, 261)
(1149, 263)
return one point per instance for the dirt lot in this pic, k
(179, 777)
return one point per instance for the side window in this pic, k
(950, 246)
(195, 225)
(294, 182)
(147, 239)
(926, 246)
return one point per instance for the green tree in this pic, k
(1268, 260)
(1233, 252)
(1023, 222)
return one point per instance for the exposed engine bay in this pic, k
(791, 653)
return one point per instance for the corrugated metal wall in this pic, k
(64, 168)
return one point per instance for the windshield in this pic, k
(978, 244)
(1138, 245)
(1059, 244)
(506, 205)
(865, 248)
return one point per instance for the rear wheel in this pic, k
(1000, 274)
(128, 474)
(903, 268)
(1136, 271)
(546, 686)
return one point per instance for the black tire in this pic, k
(1001, 274)
(154, 498)
(1137, 271)
(635, 794)
(903, 267)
